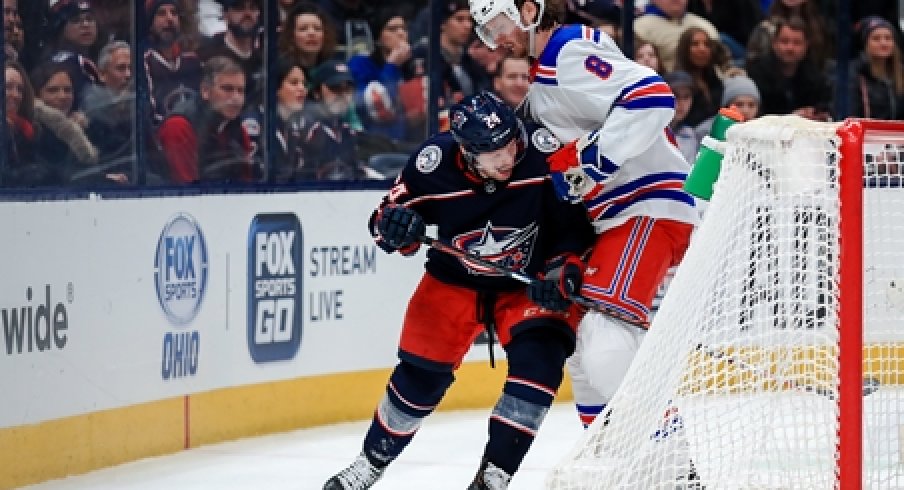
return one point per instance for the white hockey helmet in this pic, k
(492, 18)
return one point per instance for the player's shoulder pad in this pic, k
(431, 154)
(566, 35)
(541, 138)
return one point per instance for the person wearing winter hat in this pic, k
(329, 143)
(165, 24)
(172, 72)
(71, 39)
(740, 92)
(242, 41)
(877, 88)
(378, 75)
(462, 75)
(63, 12)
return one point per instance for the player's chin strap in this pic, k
(526, 279)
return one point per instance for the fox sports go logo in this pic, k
(180, 269)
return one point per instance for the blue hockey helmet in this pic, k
(482, 123)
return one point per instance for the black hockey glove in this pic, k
(545, 292)
(561, 279)
(401, 228)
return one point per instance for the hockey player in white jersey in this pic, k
(622, 163)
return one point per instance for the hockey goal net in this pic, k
(776, 360)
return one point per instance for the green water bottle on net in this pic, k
(708, 164)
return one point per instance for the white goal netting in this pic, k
(737, 382)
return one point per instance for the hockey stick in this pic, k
(524, 278)
(870, 384)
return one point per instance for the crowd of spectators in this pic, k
(351, 80)
(772, 57)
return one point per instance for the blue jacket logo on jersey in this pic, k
(274, 287)
(509, 247)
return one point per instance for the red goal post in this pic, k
(777, 357)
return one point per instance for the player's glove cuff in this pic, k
(573, 180)
(567, 270)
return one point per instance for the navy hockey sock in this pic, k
(536, 360)
(411, 394)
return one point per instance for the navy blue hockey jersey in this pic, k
(519, 224)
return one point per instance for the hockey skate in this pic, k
(490, 477)
(360, 475)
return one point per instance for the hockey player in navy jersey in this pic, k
(485, 185)
(620, 161)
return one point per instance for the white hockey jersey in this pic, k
(583, 83)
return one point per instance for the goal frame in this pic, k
(851, 289)
(775, 360)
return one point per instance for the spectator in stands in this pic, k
(328, 143)
(61, 142)
(740, 93)
(242, 40)
(291, 94)
(19, 167)
(663, 22)
(682, 85)
(53, 86)
(787, 79)
(818, 33)
(878, 73)
(512, 79)
(646, 54)
(14, 35)
(706, 60)
(461, 75)
(735, 19)
(109, 107)
(308, 36)
(378, 75)
(115, 65)
(71, 41)
(204, 140)
(173, 73)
